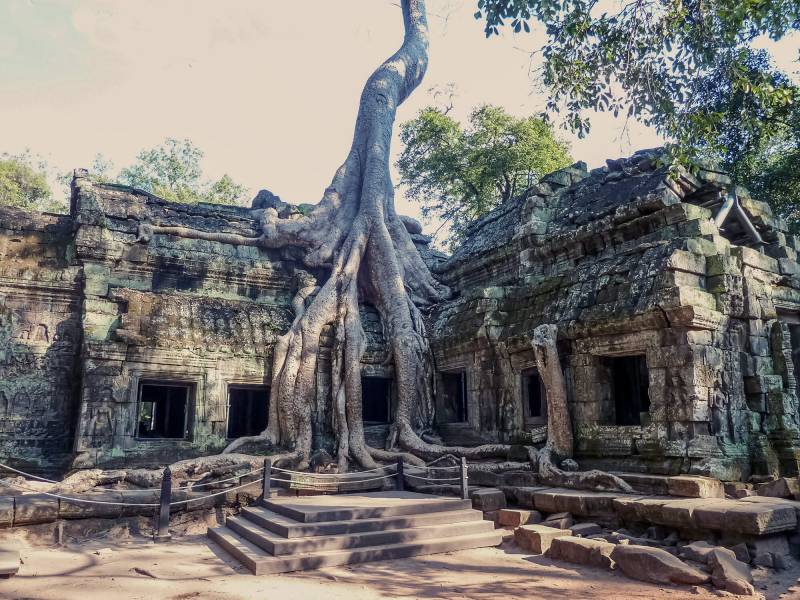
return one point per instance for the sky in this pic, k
(268, 92)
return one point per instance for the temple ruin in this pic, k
(676, 302)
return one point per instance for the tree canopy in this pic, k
(172, 171)
(459, 173)
(644, 58)
(763, 155)
(23, 183)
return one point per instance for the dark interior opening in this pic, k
(453, 405)
(163, 409)
(248, 409)
(376, 394)
(534, 396)
(629, 388)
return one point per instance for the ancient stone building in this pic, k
(677, 304)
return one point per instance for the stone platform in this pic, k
(295, 534)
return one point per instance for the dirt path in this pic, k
(192, 568)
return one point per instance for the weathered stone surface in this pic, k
(69, 509)
(654, 565)
(696, 551)
(586, 529)
(537, 538)
(729, 574)
(488, 499)
(782, 487)
(511, 517)
(693, 486)
(593, 553)
(558, 520)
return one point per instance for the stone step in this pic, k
(260, 562)
(289, 528)
(370, 505)
(280, 546)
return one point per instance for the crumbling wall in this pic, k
(39, 339)
(628, 262)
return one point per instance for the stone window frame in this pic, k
(637, 343)
(241, 380)
(460, 365)
(195, 381)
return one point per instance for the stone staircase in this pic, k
(295, 534)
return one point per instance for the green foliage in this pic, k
(23, 183)
(643, 58)
(172, 171)
(757, 139)
(460, 173)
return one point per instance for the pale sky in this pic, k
(269, 92)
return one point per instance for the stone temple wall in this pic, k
(630, 264)
(39, 338)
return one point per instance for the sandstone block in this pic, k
(525, 496)
(697, 551)
(537, 538)
(561, 520)
(9, 558)
(695, 486)
(655, 565)
(483, 478)
(779, 488)
(70, 509)
(512, 517)
(729, 574)
(586, 529)
(488, 499)
(593, 553)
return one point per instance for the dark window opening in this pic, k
(376, 395)
(629, 388)
(453, 405)
(163, 410)
(248, 410)
(534, 397)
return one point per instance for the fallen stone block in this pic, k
(729, 574)
(492, 515)
(732, 488)
(561, 520)
(655, 565)
(537, 538)
(680, 513)
(695, 486)
(524, 496)
(593, 553)
(696, 551)
(586, 529)
(741, 552)
(782, 487)
(488, 499)
(31, 509)
(745, 517)
(512, 517)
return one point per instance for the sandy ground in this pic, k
(192, 567)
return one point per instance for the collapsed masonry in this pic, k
(677, 306)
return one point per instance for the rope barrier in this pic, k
(4, 466)
(28, 474)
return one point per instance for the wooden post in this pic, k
(464, 479)
(162, 526)
(401, 483)
(265, 491)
